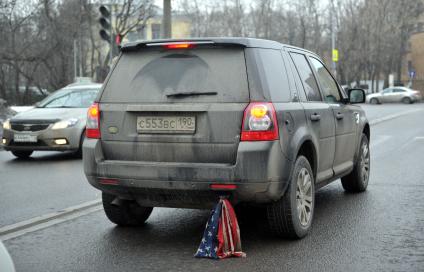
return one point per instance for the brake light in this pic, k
(179, 46)
(259, 122)
(223, 186)
(108, 181)
(92, 129)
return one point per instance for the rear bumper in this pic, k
(261, 173)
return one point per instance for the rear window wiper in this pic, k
(182, 94)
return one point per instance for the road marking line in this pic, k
(380, 139)
(392, 116)
(48, 220)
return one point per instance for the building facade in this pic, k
(413, 66)
(181, 28)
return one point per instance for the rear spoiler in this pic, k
(188, 44)
(209, 42)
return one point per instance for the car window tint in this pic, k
(386, 91)
(305, 72)
(297, 80)
(275, 74)
(150, 75)
(328, 85)
(398, 91)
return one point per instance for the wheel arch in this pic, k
(376, 99)
(366, 131)
(307, 148)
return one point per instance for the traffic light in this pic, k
(105, 22)
(118, 39)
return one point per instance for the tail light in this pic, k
(179, 46)
(259, 122)
(92, 129)
(223, 187)
(108, 181)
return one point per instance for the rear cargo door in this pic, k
(175, 105)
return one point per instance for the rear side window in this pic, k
(155, 76)
(275, 73)
(308, 80)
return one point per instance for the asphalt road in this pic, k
(47, 182)
(379, 230)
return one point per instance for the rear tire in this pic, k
(127, 214)
(291, 216)
(22, 154)
(406, 100)
(374, 101)
(357, 180)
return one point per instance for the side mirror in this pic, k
(356, 96)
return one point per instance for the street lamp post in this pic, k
(166, 20)
(334, 51)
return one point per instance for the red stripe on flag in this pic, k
(228, 233)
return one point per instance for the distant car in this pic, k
(56, 123)
(395, 94)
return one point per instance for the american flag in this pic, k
(221, 238)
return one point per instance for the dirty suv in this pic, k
(180, 123)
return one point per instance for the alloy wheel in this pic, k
(365, 163)
(304, 196)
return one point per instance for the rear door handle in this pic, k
(315, 117)
(339, 116)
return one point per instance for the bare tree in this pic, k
(131, 14)
(38, 36)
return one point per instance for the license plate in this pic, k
(166, 124)
(24, 138)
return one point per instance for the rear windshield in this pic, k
(195, 75)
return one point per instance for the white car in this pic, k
(394, 94)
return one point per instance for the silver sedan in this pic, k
(395, 94)
(56, 123)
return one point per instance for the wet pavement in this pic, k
(379, 230)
